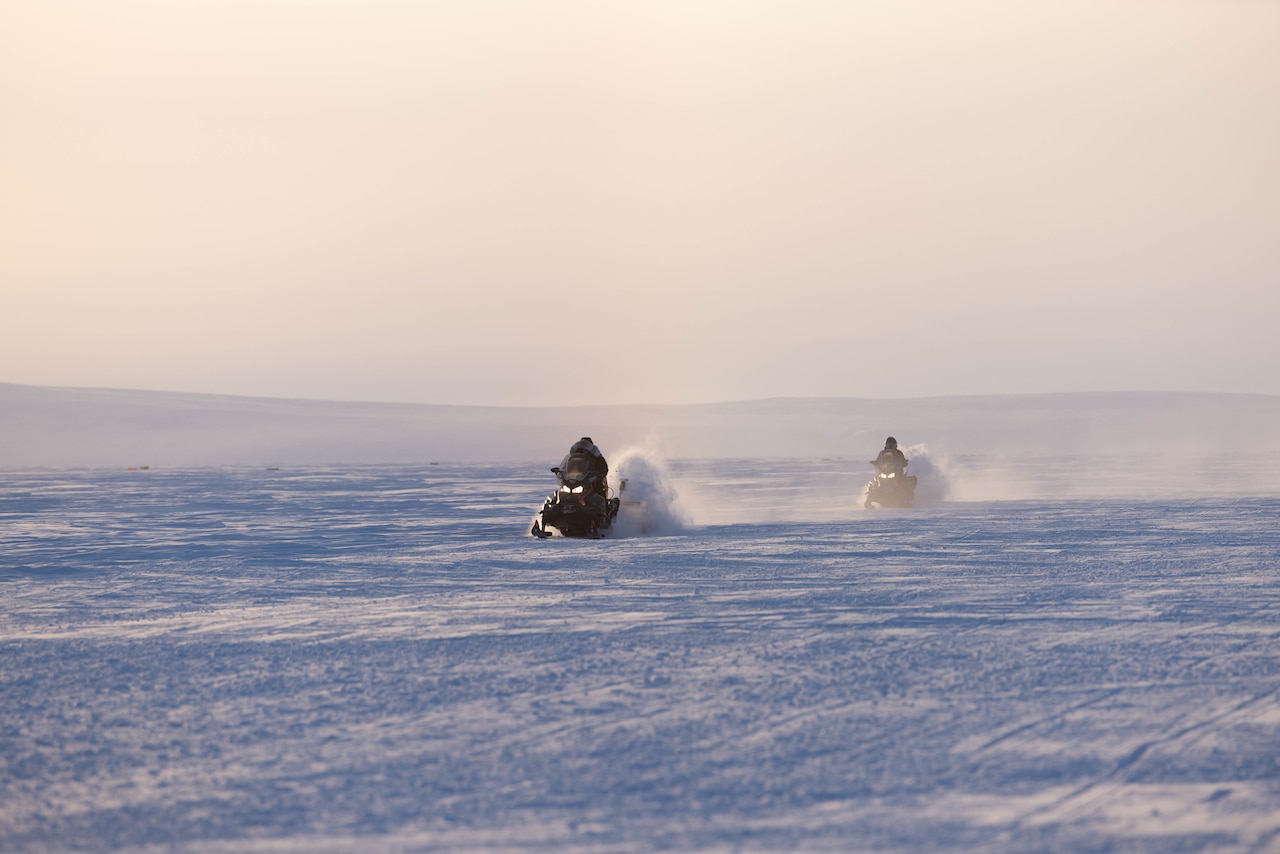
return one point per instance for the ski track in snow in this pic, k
(381, 658)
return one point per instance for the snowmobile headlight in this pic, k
(576, 490)
(890, 474)
(565, 489)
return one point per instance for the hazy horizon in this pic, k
(783, 398)
(683, 203)
(1171, 431)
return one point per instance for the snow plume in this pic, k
(987, 477)
(932, 485)
(650, 505)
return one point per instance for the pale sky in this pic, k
(640, 202)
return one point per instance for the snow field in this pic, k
(380, 658)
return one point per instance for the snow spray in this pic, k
(650, 505)
(931, 480)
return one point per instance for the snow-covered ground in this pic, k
(381, 658)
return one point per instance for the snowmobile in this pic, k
(578, 507)
(891, 487)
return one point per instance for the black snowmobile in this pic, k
(578, 508)
(891, 487)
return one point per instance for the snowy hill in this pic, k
(64, 427)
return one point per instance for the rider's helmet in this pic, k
(890, 444)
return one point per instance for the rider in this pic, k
(598, 464)
(891, 460)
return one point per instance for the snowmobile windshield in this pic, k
(577, 467)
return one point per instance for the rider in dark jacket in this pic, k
(891, 459)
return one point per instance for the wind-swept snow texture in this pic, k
(381, 659)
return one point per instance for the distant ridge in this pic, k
(68, 427)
